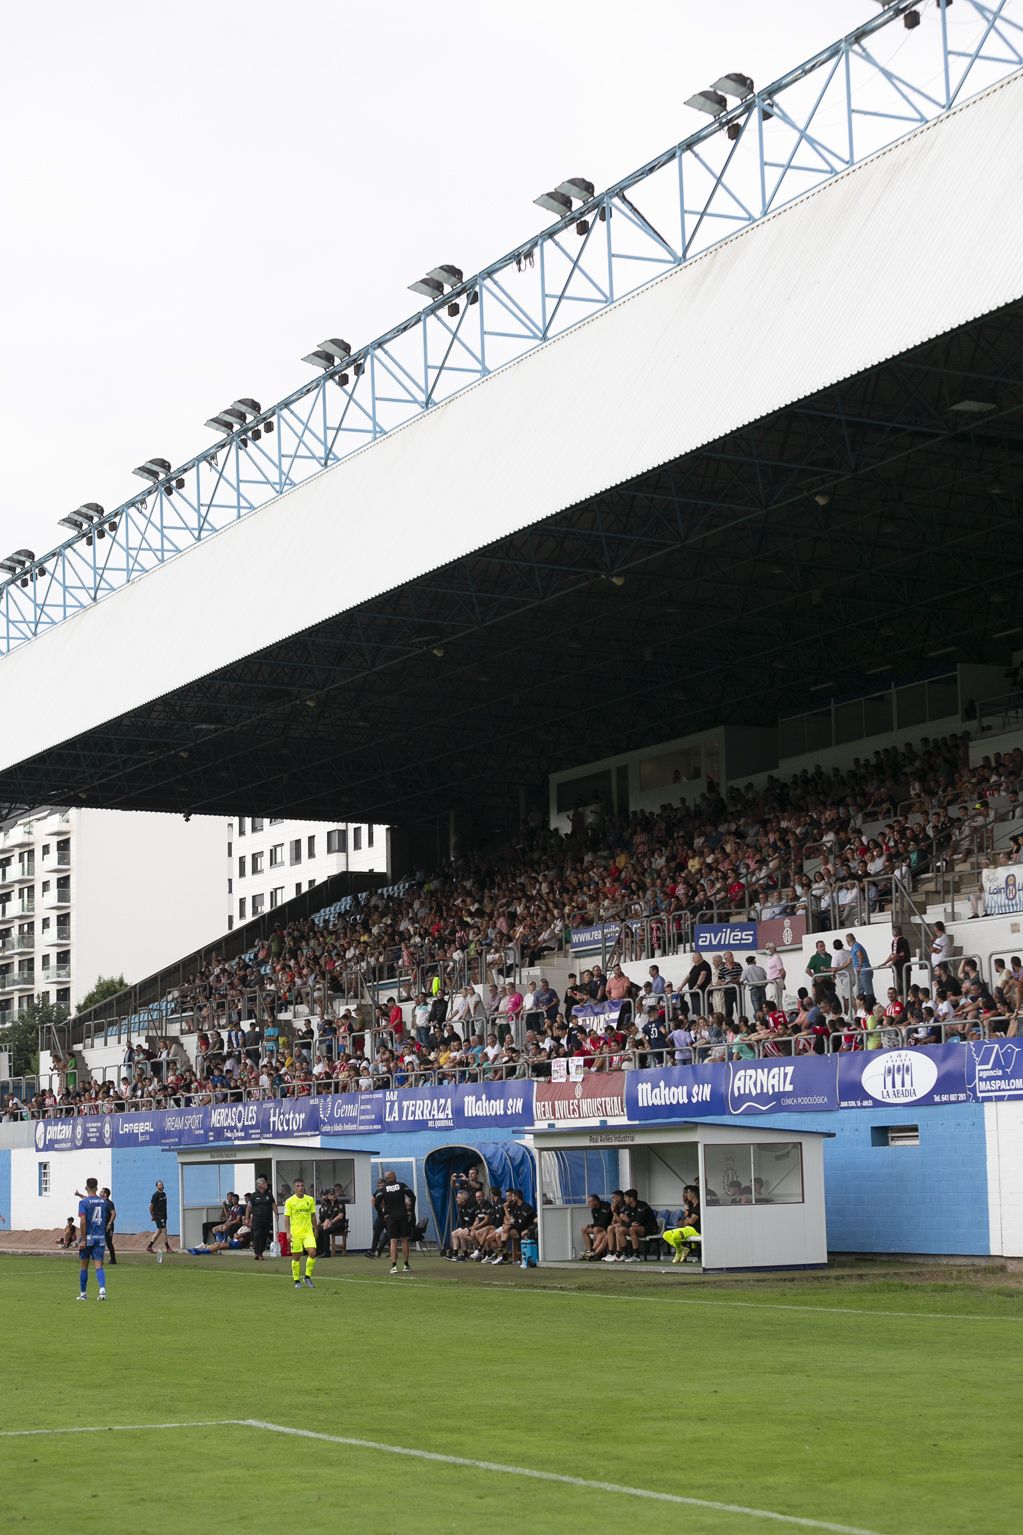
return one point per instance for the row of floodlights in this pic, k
(242, 415)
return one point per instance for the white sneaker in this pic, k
(609, 1259)
(81, 1295)
(102, 1295)
(393, 1269)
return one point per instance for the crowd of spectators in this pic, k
(780, 849)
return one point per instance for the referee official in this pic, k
(399, 1211)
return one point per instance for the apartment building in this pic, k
(271, 861)
(102, 892)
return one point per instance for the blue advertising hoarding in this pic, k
(986, 1071)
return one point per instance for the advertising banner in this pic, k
(676, 1092)
(994, 1069)
(601, 1095)
(420, 1108)
(351, 1113)
(718, 936)
(1003, 890)
(807, 1085)
(591, 940)
(494, 1103)
(783, 932)
(906, 1078)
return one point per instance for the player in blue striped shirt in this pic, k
(93, 1212)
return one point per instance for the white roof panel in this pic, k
(921, 238)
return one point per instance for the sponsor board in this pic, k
(903, 1077)
(994, 1069)
(599, 1096)
(718, 936)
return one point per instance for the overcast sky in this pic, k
(193, 195)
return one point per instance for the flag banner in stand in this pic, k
(1003, 890)
(597, 1014)
(718, 936)
(591, 940)
(913, 1078)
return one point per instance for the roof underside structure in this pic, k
(797, 459)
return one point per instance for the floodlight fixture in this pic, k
(21, 559)
(247, 407)
(710, 101)
(822, 497)
(555, 202)
(576, 188)
(221, 423)
(734, 85)
(319, 358)
(153, 469)
(971, 407)
(429, 287)
(449, 276)
(339, 348)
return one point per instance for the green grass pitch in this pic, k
(880, 1405)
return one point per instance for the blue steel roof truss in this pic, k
(817, 120)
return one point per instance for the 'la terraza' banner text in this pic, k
(983, 1072)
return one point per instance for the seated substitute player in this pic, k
(300, 1214)
(461, 1226)
(594, 1232)
(643, 1223)
(399, 1210)
(519, 1221)
(92, 1230)
(485, 1215)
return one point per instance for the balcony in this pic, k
(22, 873)
(26, 907)
(55, 974)
(56, 825)
(23, 836)
(17, 943)
(58, 937)
(57, 900)
(17, 982)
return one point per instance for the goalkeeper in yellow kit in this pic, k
(300, 1214)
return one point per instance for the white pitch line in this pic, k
(116, 1428)
(564, 1480)
(666, 1300)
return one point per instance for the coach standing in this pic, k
(261, 1215)
(399, 1211)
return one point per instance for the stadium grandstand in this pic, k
(676, 648)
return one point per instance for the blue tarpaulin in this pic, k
(503, 1164)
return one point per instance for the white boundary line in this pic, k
(458, 1460)
(666, 1300)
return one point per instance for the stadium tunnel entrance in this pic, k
(501, 1164)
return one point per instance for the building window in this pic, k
(337, 841)
(258, 902)
(310, 847)
(298, 888)
(46, 886)
(242, 907)
(277, 855)
(44, 1179)
(230, 886)
(46, 850)
(241, 826)
(230, 849)
(295, 853)
(276, 821)
(241, 867)
(64, 996)
(356, 838)
(257, 863)
(257, 824)
(230, 923)
(369, 836)
(276, 896)
(310, 883)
